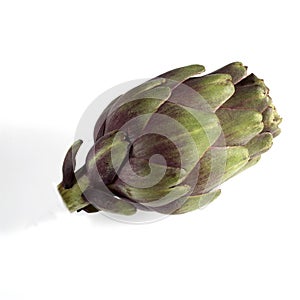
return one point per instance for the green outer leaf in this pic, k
(197, 201)
(236, 70)
(260, 144)
(252, 97)
(215, 88)
(159, 92)
(251, 163)
(132, 117)
(271, 120)
(146, 195)
(142, 88)
(183, 73)
(149, 89)
(186, 96)
(236, 158)
(140, 110)
(151, 144)
(252, 80)
(141, 173)
(179, 75)
(202, 127)
(239, 126)
(135, 94)
(100, 164)
(186, 203)
(216, 166)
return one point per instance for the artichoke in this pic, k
(167, 144)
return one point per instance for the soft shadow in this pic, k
(30, 165)
(101, 220)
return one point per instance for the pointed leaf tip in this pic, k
(177, 76)
(236, 69)
(69, 165)
(215, 89)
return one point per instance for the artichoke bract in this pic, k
(167, 144)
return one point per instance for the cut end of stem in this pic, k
(72, 197)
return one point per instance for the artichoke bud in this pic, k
(169, 143)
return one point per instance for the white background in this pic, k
(56, 57)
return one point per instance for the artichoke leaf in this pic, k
(236, 70)
(216, 166)
(177, 76)
(199, 129)
(133, 116)
(106, 157)
(152, 173)
(157, 197)
(215, 89)
(253, 97)
(260, 144)
(69, 165)
(110, 203)
(239, 126)
(99, 128)
(197, 202)
(251, 163)
(271, 120)
(142, 88)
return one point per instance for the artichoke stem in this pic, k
(72, 196)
